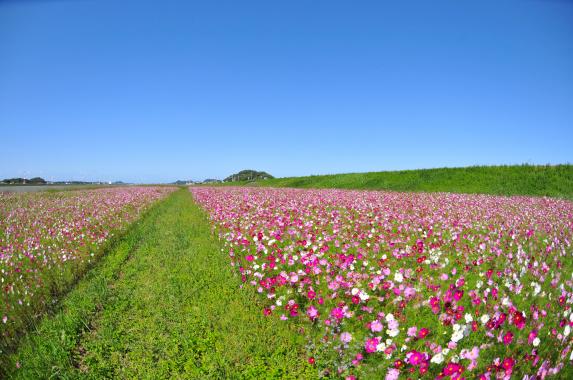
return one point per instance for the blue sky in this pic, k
(152, 91)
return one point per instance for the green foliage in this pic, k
(163, 304)
(554, 181)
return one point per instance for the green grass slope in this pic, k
(164, 303)
(554, 181)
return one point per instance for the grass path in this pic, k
(163, 304)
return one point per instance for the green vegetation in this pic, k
(163, 303)
(248, 175)
(554, 181)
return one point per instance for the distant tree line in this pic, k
(243, 175)
(24, 181)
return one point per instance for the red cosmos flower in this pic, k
(423, 333)
(519, 320)
(435, 304)
(508, 338)
(311, 360)
(453, 368)
(508, 364)
(499, 321)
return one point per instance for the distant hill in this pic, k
(248, 175)
(540, 180)
(24, 181)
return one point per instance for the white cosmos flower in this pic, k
(438, 358)
(457, 336)
(567, 330)
(355, 291)
(484, 318)
(389, 317)
(364, 296)
(398, 277)
(468, 317)
(393, 333)
(536, 342)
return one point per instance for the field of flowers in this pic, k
(47, 240)
(409, 285)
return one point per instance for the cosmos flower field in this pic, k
(47, 240)
(408, 285)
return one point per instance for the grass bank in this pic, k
(163, 304)
(554, 181)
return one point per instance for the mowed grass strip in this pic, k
(45, 351)
(171, 307)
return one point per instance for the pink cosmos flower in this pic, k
(412, 331)
(409, 292)
(345, 337)
(392, 374)
(393, 324)
(531, 337)
(312, 312)
(473, 354)
(370, 345)
(337, 313)
(415, 358)
(376, 326)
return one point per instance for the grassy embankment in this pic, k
(554, 181)
(163, 303)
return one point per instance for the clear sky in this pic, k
(162, 90)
